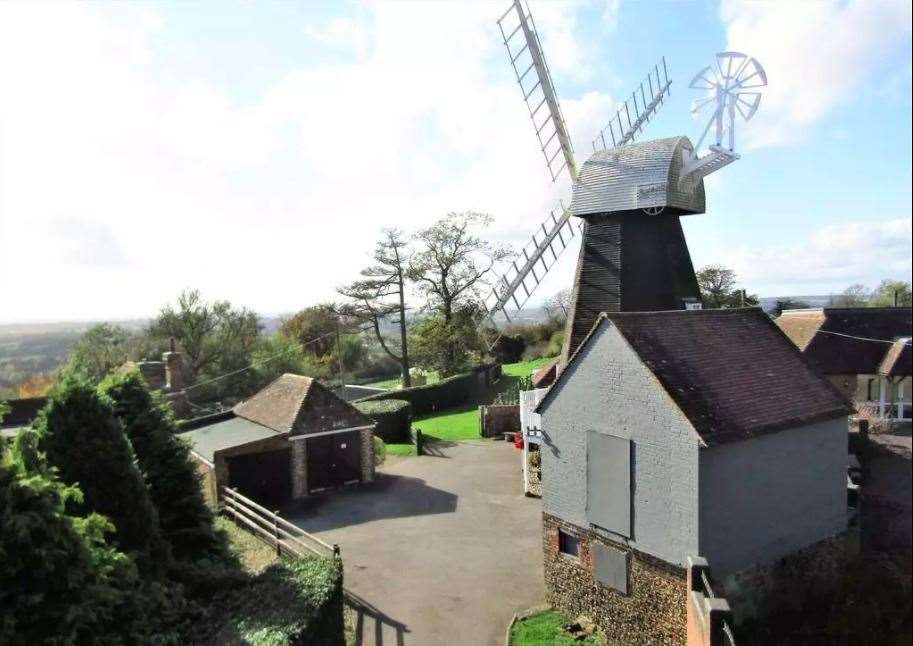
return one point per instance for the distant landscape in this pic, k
(28, 349)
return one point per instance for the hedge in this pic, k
(392, 416)
(447, 393)
(298, 601)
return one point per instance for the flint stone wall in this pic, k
(652, 612)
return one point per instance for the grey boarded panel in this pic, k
(610, 566)
(608, 477)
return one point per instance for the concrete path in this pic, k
(445, 547)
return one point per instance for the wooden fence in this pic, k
(272, 528)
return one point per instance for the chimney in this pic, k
(174, 376)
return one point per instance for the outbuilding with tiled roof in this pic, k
(852, 347)
(682, 433)
(292, 438)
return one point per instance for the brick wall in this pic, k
(610, 391)
(652, 611)
(367, 455)
(299, 468)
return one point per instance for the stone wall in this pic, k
(299, 468)
(652, 612)
(760, 591)
(367, 455)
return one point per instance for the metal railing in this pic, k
(272, 528)
(725, 628)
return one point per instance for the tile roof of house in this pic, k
(545, 376)
(224, 434)
(299, 405)
(731, 372)
(897, 361)
(824, 336)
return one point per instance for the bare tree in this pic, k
(453, 263)
(558, 304)
(370, 297)
(853, 296)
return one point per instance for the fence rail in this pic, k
(268, 525)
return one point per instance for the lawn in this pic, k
(545, 629)
(401, 449)
(463, 423)
(254, 554)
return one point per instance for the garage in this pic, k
(293, 438)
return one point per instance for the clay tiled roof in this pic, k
(897, 360)
(300, 406)
(823, 335)
(545, 376)
(731, 372)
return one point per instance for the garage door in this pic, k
(334, 460)
(264, 477)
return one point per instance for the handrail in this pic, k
(272, 526)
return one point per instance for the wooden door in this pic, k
(334, 460)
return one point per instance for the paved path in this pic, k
(887, 501)
(445, 546)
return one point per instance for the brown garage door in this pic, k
(265, 477)
(334, 460)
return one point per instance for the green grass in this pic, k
(452, 425)
(400, 449)
(545, 629)
(525, 368)
(394, 384)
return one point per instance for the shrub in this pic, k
(508, 348)
(446, 393)
(380, 451)
(293, 602)
(392, 416)
(170, 474)
(80, 435)
(555, 344)
(59, 580)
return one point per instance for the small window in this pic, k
(873, 390)
(568, 544)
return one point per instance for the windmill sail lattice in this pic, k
(632, 115)
(518, 31)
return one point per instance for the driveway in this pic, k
(887, 501)
(445, 547)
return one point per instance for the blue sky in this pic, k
(254, 151)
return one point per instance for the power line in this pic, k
(863, 338)
(256, 364)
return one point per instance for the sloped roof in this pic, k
(545, 376)
(897, 360)
(731, 372)
(823, 335)
(300, 406)
(225, 434)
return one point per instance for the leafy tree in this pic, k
(453, 263)
(788, 304)
(278, 354)
(185, 521)
(884, 294)
(4, 410)
(216, 337)
(60, 582)
(446, 346)
(450, 268)
(857, 295)
(718, 288)
(101, 349)
(314, 328)
(36, 386)
(81, 437)
(371, 296)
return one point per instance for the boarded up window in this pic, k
(608, 482)
(610, 566)
(568, 544)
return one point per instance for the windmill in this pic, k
(628, 195)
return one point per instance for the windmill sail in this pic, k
(632, 115)
(518, 31)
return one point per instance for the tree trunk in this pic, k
(404, 362)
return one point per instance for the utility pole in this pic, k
(342, 375)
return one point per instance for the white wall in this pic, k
(763, 498)
(610, 391)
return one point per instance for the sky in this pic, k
(255, 150)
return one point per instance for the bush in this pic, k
(298, 601)
(170, 474)
(59, 580)
(380, 451)
(442, 395)
(392, 416)
(508, 348)
(80, 435)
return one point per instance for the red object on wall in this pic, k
(518, 439)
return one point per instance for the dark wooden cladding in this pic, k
(629, 262)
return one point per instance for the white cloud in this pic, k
(816, 55)
(829, 259)
(342, 33)
(270, 202)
